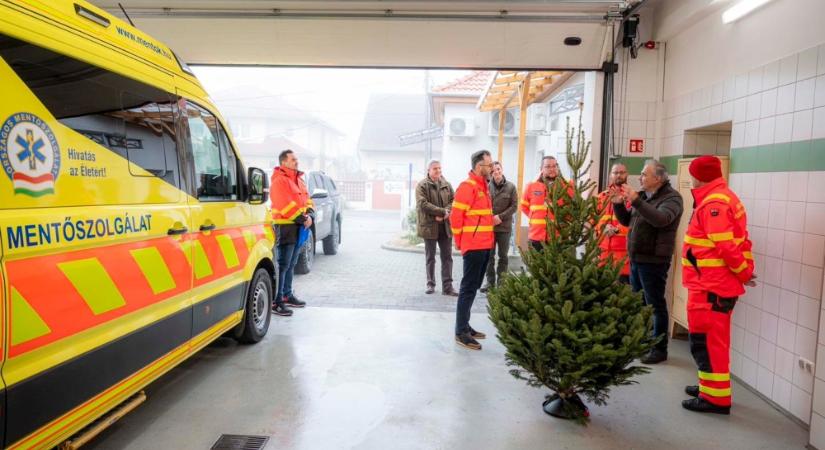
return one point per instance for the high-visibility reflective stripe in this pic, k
(93, 284)
(538, 221)
(295, 216)
(230, 256)
(286, 209)
(456, 230)
(538, 207)
(249, 238)
(479, 228)
(715, 196)
(705, 262)
(742, 267)
(699, 241)
(748, 255)
(472, 181)
(29, 324)
(154, 269)
(709, 376)
(525, 203)
(714, 392)
(480, 212)
(717, 237)
(461, 206)
(101, 284)
(283, 221)
(197, 258)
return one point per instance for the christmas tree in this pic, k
(567, 323)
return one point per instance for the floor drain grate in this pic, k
(240, 442)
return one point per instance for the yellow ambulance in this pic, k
(131, 235)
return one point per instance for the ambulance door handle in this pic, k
(207, 227)
(176, 231)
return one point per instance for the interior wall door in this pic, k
(678, 306)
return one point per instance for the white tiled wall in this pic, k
(779, 321)
(706, 143)
(635, 120)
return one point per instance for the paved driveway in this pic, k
(363, 275)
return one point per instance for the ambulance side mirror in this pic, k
(258, 186)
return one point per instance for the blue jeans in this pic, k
(475, 265)
(651, 279)
(287, 258)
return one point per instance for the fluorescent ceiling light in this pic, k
(741, 9)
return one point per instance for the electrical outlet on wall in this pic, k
(806, 365)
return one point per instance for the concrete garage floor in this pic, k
(332, 378)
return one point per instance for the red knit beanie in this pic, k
(706, 168)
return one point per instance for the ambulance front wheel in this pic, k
(258, 304)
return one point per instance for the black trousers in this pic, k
(475, 263)
(444, 243)
(651, 279)
(501, 247)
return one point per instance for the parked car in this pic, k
(327, 225)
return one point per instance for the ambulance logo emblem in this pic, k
(29, 154)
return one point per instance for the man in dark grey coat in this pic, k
(505, 203)
(433, 198)
(653, 219)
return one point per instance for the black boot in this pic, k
(703, 406)
(692, 391)
(654, 357)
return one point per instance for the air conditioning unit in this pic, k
(461, 127)
(511, 123)
(537, 118)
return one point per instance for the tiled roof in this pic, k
(474, 83)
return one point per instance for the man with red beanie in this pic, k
(716, 264)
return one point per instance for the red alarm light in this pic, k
(650, 45)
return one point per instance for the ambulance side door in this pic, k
(219, 218)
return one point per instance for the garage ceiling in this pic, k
(435, 34)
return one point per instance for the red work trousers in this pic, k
(709, 326)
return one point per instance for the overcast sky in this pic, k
(338, 96)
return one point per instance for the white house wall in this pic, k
(456, 151)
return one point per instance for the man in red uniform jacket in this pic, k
(534, 201)
(716, 265)
(291, 211)
(471, 222)
(614, 241)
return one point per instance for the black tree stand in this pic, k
(565, 408)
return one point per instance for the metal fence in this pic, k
(353, 191)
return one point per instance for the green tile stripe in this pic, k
(635, 164)
(94, 284)
(672, 162)
(26, 324)
(802, 156)
(154, 269)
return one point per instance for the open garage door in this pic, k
(455, 33)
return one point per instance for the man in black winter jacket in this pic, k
(504, 197)
(653, 219)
